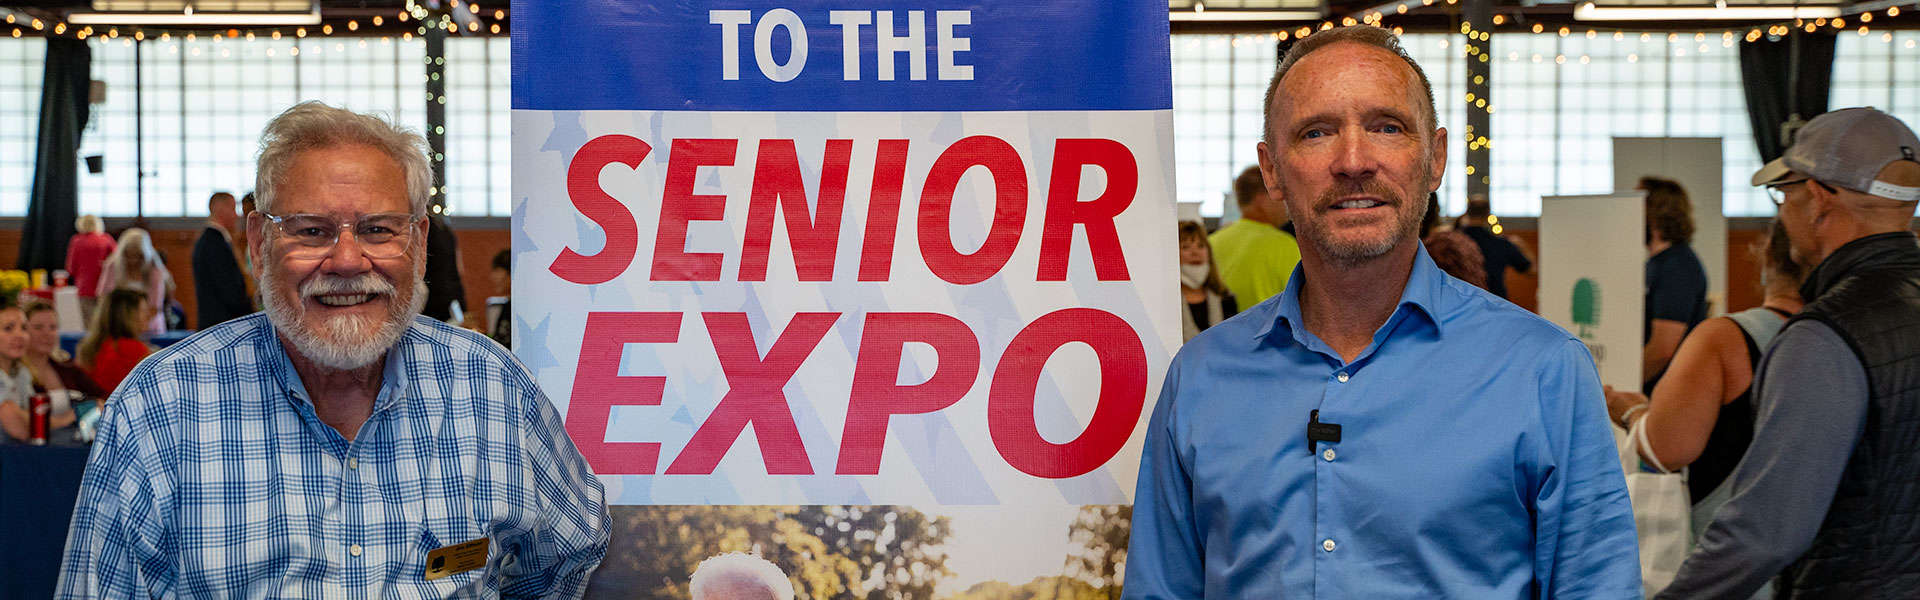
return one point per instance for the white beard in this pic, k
(344, 342)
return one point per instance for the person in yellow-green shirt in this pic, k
(1254, 255)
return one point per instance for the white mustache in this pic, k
(365, 283)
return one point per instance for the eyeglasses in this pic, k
(1778, 191)
(380, 235)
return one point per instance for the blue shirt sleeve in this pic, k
(114, 545)
(1164, 554)
(1811, 400)
(572, 538)
(1585, 545)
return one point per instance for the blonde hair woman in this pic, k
(136, 265)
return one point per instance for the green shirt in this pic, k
(1255, 259)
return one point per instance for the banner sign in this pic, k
(805, 253)
(1591, 284)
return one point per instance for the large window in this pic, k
(1559, 101)
(203, 101)
(21, 65)
(1881, 70)
(479, 162)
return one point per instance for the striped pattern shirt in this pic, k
(213, 477)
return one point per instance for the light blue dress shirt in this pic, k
(1475, 460)
(214, 478)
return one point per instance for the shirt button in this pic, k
(1328, 454)
(355, 549)
(353, 463)
(1327, 545)
(1342, 377)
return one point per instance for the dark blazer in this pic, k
(218, 284)
(443, 271)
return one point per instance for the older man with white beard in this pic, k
(336, 445)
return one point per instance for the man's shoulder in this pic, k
(1236, 336)
(466, 350)
(1481, 315)
(212, 346)
(220, 355)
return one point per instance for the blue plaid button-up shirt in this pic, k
(212, 477)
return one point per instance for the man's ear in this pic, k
(1269, 175)
(1824, 200)
(256, 236)
(1438, 166)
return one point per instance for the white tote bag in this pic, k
(1660, 513)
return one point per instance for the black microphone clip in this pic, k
(1320, 432)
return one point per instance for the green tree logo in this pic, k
(1586, 306)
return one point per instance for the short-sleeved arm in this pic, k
(1164, 554)
(1811, 405)
(115, 546)
(1585, 545)
(572, 536)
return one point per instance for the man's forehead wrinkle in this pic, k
(1342, 59)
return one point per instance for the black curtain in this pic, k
(1783, 78)
(54, 204)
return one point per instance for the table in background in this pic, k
(38, 488)
(70, 341)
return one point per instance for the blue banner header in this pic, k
(816, 56)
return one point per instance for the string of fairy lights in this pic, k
(1861, 25)
(409, 22)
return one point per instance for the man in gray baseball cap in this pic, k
(1826, 496)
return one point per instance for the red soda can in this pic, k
(42, 410)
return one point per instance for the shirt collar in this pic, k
(288, 379)
(1421, 296)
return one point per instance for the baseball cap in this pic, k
(1848, 148)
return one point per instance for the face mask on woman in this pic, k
(1194, 275)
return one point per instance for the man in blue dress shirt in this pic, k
(1472, 456)
(336, 445)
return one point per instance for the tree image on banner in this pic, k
(1586, 306)
(869, 552)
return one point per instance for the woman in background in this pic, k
(1206, 300)
(1701, 415)
(112, 347)
(87, 251)
(16, 380)
(136, 265)
(52, 367)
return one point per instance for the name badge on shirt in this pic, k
(458, 558)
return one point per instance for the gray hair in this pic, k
(312, 125)
(1362, 34)
(136, 240)
(739, 576)
(89, 224)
